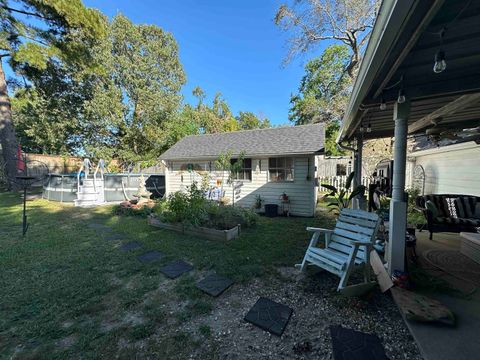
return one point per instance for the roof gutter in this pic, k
(388, 26)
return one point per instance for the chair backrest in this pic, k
(354, 225)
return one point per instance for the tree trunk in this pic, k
(8, 140)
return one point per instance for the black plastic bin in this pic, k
(271, 210)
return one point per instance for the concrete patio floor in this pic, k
(437, 342)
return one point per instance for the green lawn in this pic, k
(66, 290)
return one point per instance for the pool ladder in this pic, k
(91, 191)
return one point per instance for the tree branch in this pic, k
(24, 12)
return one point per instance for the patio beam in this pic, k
(460, 103)
(398, 205)
(410, 44)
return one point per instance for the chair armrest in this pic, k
(362, 243)
(314, 229)
(316, 235)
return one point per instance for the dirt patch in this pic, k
(316, 306)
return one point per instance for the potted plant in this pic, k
(341, 197)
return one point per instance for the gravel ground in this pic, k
(316, 306)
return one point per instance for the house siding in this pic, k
(301, 191)
(451, 171)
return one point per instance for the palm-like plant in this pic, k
(342, 198)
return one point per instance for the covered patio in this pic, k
(420, 70)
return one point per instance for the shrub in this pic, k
(226, 217)
(191, 208)
(143, 212)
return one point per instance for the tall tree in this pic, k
(323, 92)
(209, 119)
(313, 21)
(248, 120)
(32, 34)
(139, 95)
(48, 112)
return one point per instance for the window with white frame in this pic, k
(245, 172)
(280, 169)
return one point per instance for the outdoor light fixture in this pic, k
(440, 63)
(401, 96)
(383, 104)
(369, 128)
(361, 129)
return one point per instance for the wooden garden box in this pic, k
(212, 234)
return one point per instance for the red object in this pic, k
(20, 160)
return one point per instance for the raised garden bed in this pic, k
(212, 234)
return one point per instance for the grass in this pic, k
(67, 292)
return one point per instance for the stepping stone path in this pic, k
(176, 268)
(214, 284)
(115, 236)
(131, 245)
(355, 345)
(269, 316)
(150, 256)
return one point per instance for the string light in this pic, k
(383, 105)
(361, 128)
(401, 96)
(369, 127)
(440, 63)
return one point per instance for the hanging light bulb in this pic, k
(383, 105)
(440, 63)
(401, 96)
(361, 128)
(369, 128)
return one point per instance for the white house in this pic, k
(449, 169)
(276, 161)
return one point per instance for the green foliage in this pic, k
(143, 212)
(331, 134)
(341, 196)
(192, 209)
(187, 208)
(224, 163)
(225, 217)
(324, 89)
(414, 215)
(323, 94)
(53, 33)
(248, 121)
(133, 103)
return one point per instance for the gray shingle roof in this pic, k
(305, 139)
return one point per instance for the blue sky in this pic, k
(226, 46)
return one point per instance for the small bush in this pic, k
(143, 212)
(191, 208)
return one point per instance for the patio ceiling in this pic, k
(400, 55)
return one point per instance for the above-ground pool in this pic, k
(63, 187)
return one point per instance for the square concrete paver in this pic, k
(150, 256)
(176, 268)
(214, 284)
(349, 344)
(269, 316)
(131, 245)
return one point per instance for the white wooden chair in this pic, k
(346, 247)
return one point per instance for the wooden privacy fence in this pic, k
(339, 182)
